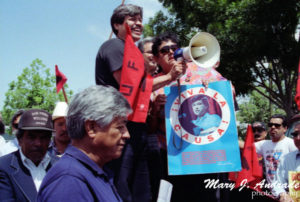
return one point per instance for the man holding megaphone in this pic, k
(203, 54)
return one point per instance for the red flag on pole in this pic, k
(297, 97)
(134, 84)
(61, 79)
(252, 171)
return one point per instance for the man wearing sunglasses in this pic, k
(290, 162)
(273, 150)
(259, 131)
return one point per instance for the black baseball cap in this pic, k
(36, 119)
(258, 124)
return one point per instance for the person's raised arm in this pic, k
(178, 68)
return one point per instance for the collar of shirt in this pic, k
(104, 173)
(30, 165)
(52, 148)
(37, 172)
(83, 158)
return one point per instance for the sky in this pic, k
(63, 32)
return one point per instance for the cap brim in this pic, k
(56, 117)
(37, 128)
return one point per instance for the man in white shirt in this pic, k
(22, 171)
(2, 131)
(290, 162)
(279, 145)
(61, 139)
(12, 145)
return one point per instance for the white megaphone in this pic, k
(204, 50)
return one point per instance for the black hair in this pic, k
(121, 12)
(167, 36)
(15, 116)
(2, 127)
(280, 116)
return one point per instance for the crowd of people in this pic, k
(87, 150)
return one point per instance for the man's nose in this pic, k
(37, 142)
(126, 135)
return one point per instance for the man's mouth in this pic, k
(256, 136)
(137, 30)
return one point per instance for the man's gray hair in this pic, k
(121, 12)
(143, 42)
(97, 103)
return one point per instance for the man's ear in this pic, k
(90, 128)
(115, 26)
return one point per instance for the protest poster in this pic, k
(201, 129)
(294, 185)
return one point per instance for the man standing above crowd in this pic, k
(96, 123)
(289, 162)
(279, 145)
(22, 172)
(132, 179)
(61, 138)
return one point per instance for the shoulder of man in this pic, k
(8, 159)
(112, 43)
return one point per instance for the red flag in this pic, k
(297, 97)
(141, 103)
(252, 171)
(61, 79)
(134, 84)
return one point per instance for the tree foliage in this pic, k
(257, 39)
(256, 108)
(34, 88)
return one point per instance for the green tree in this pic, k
(257, 39)
(34, 88)
(256, 107)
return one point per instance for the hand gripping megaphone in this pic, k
(204, 50)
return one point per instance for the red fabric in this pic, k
(61, 79)
(251, 171)
(142, 101)
(297, 97)
(134, 85)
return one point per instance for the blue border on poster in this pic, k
(214, 152)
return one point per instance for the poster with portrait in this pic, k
(201, 129)
(294, 185)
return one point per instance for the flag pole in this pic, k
(111, 33)
(65, 96)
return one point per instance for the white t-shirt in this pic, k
(272, 153)
(2, 141)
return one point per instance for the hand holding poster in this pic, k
(201, 129)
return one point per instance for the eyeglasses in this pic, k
(295, 134)
(166, 49)
(274, 124)
(258, 130)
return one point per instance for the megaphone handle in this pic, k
(179, 97)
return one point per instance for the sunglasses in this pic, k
(166, 49)
(295, 134)
(274, 124)
(258, 130)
